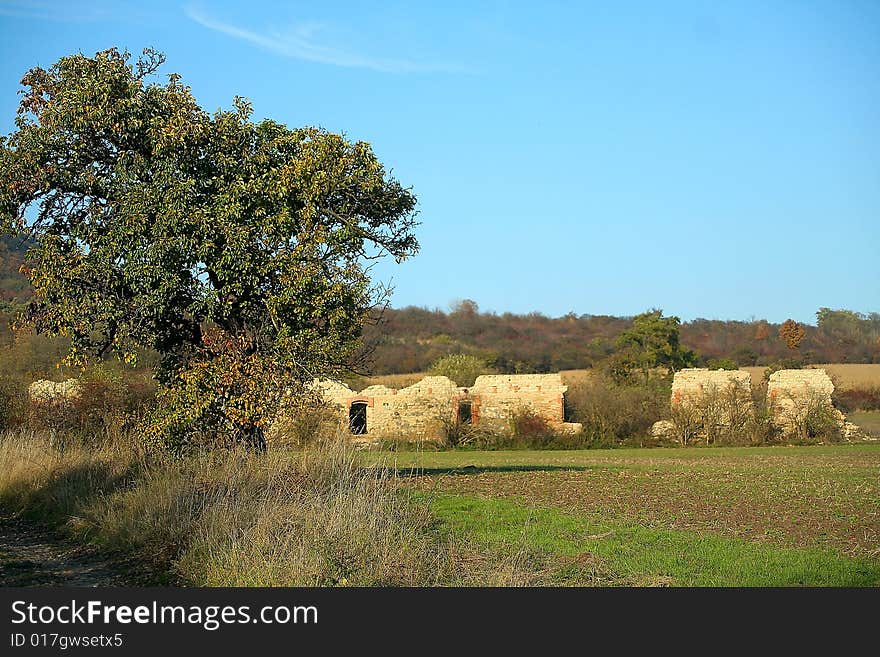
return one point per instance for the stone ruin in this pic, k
(793, 394)
(425, 410)
(726, 397)
(50, 391)
(692, 386)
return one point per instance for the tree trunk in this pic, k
(253, 438)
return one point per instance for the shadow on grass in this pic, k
(66, 493)
(416, 471)
(40, 513)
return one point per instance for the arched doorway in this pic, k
(357, 418)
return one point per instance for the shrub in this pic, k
(108, 403)
(722, 364)
(686, 424)
(808, 420)
(304, 421)
(857, 399)
(461, 368)
(530, 429)
(611, 412)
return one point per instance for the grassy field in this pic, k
(720, 516)
(698, 516)
(569, 548)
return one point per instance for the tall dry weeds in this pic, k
(314, 517)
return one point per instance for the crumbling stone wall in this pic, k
(793, 395)
(707, 404)
(704, 401)
(50, 391)
(425, 409)
(502, 395)
(729, 391)
(691, 384)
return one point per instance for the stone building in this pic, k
(424, 410)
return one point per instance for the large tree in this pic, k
(652, 341)
(237, 250)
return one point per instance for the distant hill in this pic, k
(410, 339)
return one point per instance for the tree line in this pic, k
(410, 339)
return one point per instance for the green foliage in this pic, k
(848, 326)
(461, 368)
(157, 222)
(722, 364)
(653, 341)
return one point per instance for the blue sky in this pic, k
(717, 160)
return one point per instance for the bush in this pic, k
(531, 430)
(808, 420)
(527, 430)
(109, 403)
(718, 417)
(613, 413)
(461, 368)
(857, 399)
(304, 421)
(722, 364)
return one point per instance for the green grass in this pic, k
(817, 497)
(451, 459)
(587, 550)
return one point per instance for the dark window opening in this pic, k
(465, 412)
(357, 418)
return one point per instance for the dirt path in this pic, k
(31, 555)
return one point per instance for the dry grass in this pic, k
(845, 375)
(312, 518)
(577, 377)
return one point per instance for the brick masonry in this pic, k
(423, 410)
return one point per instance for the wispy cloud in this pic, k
(302, 42)
(54, 11)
